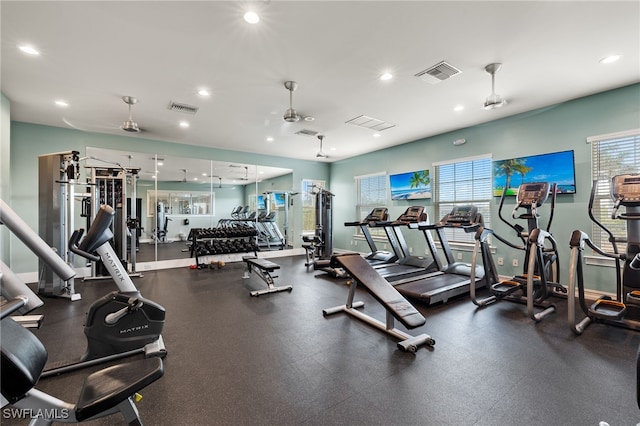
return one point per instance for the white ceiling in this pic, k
(93, 53)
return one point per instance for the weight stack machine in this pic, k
(58, 174)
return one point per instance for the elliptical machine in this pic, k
(122, 323)
(539, 280)
(624, 309)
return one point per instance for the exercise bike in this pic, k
(539, 279)
(624, 309)
(122, 323)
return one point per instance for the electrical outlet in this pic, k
(500, 261)
(459, 256)
(410, 249)
(514, 262)
(384, 246)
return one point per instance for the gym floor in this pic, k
(234, 359)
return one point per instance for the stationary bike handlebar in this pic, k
(73, 246)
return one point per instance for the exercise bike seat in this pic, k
(108, 387)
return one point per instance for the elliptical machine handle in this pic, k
(73, 246)
(635, 263)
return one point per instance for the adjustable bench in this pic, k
(395, 304)
(264, 269)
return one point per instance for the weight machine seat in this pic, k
(263, 264)
(379, 288)
(24, 358)
(108, 387)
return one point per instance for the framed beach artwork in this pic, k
(555, 167)
(411, 185)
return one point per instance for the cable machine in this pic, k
(58, 174)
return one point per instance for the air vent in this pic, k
(187, 109)
(438, 73)
(306, 132)
(370, 123)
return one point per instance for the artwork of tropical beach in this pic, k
(411, 185)
(557, 167)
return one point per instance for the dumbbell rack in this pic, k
(222, 240)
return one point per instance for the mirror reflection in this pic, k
(176, 195)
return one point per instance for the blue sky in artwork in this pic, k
(557, 167)
(401, 182)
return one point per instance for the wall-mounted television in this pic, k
(554, 167)
(261, 202)
(279, 199)
(411, 185)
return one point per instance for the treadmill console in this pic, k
(530, 194)
(413, 214)
(461, 216)
(379, 214)
(626, 188)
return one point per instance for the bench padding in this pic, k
(264, 264)
(384, 293)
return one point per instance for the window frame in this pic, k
(363, 209)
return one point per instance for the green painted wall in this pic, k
(561, 127)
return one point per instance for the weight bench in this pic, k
(395, 304)
(263, 268)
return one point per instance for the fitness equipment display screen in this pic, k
(626, 188)
(556, 167)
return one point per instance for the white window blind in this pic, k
(463, 182)
(611, 155)
(371, 191)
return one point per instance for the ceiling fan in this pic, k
(320, 153)
(494, 100)
(130, 125)
(290, 115)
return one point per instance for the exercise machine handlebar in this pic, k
(32, 240)
(73, 246)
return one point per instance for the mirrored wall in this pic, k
(175, 195)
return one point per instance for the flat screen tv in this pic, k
(279, 199)
(261, 201)
(554, 167)
(410, 186)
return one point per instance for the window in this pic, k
(309, 205)
(371, 192)
(463, 182)
(611, 155)
(190, 203)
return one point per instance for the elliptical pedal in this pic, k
(505, 288)
(608, 309)
(633, 298)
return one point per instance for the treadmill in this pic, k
(453, 278)
(375, 257)
(405, 265)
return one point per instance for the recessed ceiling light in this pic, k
(376, 135)
(160, 163)
(29, 50)
(610, 59)
(204, 174)
(386, 76)
(269, 139)
(251, 17)
(61, 103)
(204, 92)
(153, 177)
(184, 124)
(458, 108)
(309, 118)
(195, 178)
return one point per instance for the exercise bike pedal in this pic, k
(608, 309)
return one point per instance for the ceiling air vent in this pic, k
(438, 73)
(370, 123)
(306, 132)
(187, 109)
